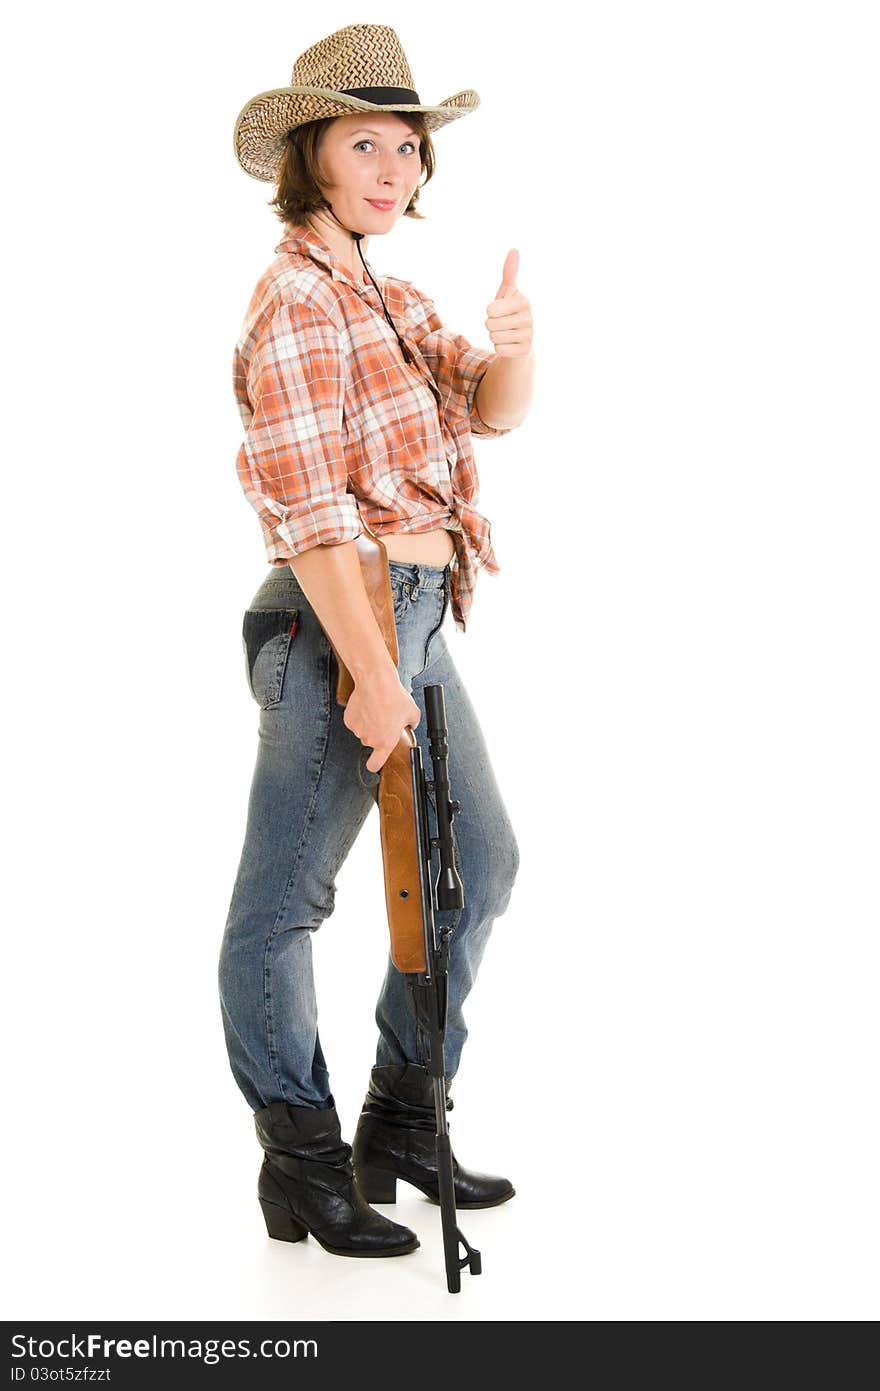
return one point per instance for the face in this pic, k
(370, 155)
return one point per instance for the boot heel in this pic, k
(281, 1223)
(377, 1185)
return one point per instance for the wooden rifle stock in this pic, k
(397, 821)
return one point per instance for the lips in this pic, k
(383, 204)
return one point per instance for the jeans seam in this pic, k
(429, 660)
(307, 825)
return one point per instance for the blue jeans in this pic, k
(310, 795)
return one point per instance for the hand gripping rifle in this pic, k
(417, 949)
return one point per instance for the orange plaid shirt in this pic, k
(338, 425)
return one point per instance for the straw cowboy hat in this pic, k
(359, 68)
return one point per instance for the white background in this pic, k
(674, 1035)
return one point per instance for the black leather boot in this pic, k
(395, 1139)
(307, 1185)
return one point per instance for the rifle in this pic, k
(418, 950)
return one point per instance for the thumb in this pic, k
(508, 275)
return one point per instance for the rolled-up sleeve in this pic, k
(290, 386)
(456, 365)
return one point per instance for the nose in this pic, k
(388, 172)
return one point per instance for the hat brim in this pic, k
(263, 122)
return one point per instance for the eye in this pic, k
(411, 144)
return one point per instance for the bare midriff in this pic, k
(423, 548)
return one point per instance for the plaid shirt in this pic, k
(338, 425)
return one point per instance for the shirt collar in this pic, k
(305, 241)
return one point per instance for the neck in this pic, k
(341, 242)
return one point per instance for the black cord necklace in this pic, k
(403, 348)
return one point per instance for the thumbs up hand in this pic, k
(509, 316)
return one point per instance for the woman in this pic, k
(358, 407)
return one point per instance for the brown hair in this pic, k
(298, 186)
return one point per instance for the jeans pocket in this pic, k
(266, 636)
(401, 595)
